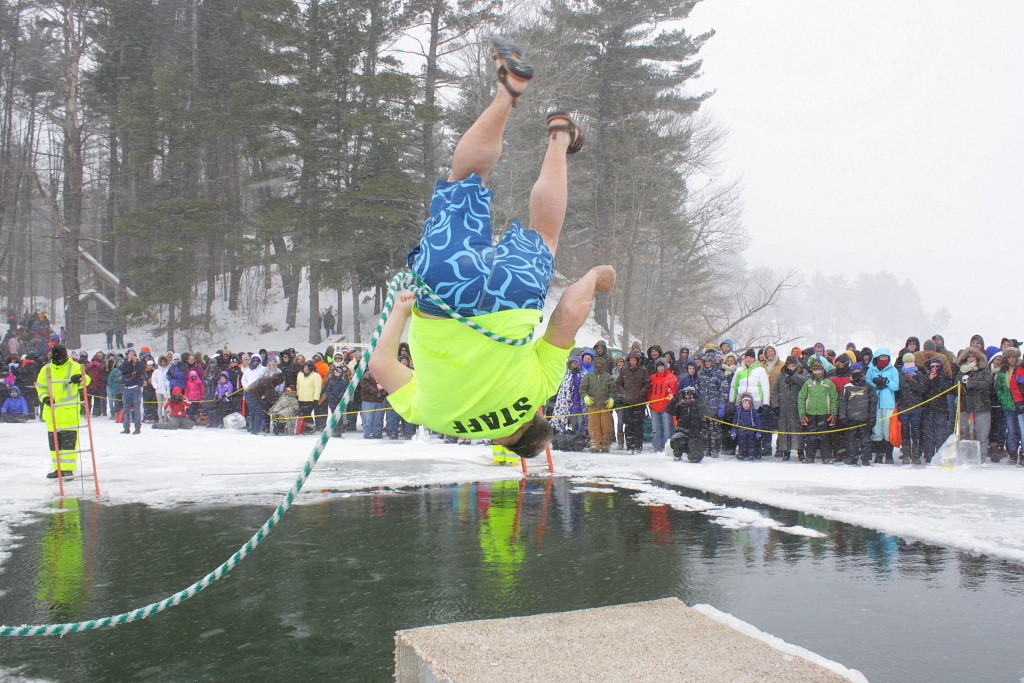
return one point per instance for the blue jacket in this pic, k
(886, 392)
(177, 375)
(15, 403)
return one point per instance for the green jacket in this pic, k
(598, 385)
(1003, 391)
(818, 397)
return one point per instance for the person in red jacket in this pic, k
(97, 371)
(175, 410)
(663, 388)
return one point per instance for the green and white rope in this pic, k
(406, 280)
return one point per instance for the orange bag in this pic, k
(895, 430)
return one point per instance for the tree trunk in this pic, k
(338, 293)
(357, 334)
(234, 288)
(314, 305)
(73, 173)
(170, 327)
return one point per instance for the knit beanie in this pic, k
(929, 345)
(750, 353)
(908, 357)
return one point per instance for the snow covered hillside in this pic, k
(259, 324)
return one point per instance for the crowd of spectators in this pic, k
(817, 403)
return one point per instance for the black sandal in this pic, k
(574, 131)
(509, 56)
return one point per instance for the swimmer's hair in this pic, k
(535, 438)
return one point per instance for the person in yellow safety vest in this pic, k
(62, 411)
(503, 456)
(61, 579)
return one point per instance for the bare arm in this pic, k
(384, 365)
(575, 305)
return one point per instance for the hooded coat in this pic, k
(97, 371)
(253, 372)
(712, 390)
(906, 349)
(784, 399)
(177, 375)
(773, 367)
(633, 383)
(650, 362)
(598, 384)
(886, 391)
(15, 403)
(975, 384)
(663, 388)
(194, 387)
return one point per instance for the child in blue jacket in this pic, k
(15, 408)
(746, 439)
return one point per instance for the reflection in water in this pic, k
(500, 504)
(326, 592)
(61, 578)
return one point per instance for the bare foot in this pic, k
(605, 278)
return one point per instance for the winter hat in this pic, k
(661, 363)
(710, 355)
(934, 361)
(816, 365)
(792, 360)
(344, 349)
(750, 353)
(991, 351)
(255, 361)
(856, 367)
(599, 362)
(908, 357)
(929, 345)
(746, 397)
(145, 349)
(271, 357)
(1011, 352)
(978, 338)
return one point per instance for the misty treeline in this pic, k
(197, 150)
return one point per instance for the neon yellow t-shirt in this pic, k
(466, 384)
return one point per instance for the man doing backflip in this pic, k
(466, 384)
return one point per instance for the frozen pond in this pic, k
(322, 597)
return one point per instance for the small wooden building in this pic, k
(97, 312)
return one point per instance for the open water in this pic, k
(323, 595)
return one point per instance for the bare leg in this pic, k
(480, 146)
(549, 198)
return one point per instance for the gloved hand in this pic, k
(777, 412)
(589, 400)
(609, 403)
(732, 434)
(832, 420)
(46, 401)
(880, 382)
(1019, 407)
(806, 420)
(721, 411)
(76, 378)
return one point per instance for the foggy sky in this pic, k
(879, 135)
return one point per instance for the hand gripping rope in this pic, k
(406, 280)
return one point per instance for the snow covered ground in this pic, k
(973, 509)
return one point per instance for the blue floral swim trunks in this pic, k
(456, 256)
